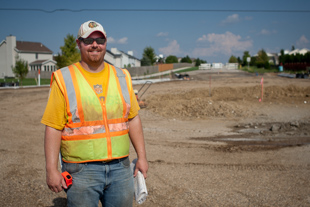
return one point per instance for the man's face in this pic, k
(93, 54)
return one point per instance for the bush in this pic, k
(171, 59)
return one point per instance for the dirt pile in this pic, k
(224, 102)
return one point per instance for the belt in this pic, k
(107, 162)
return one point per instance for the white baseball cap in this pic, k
(89, 27)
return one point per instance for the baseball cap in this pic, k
(89, 27)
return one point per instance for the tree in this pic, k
(239, 60)
(281, 57)
(186, 60)
(145, 61)
(253, 61)
(233, 59)
(198, 62)
(148, 56)
(161, 60)
(61, 61)
(262, 59)
(69, 52)
(172, 59)
(293, 47)
(21, 69)
(246, 54)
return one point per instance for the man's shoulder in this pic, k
(62, 69)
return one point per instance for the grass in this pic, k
(27, 81)
(253, 69)
(188, 69)
(179, 71)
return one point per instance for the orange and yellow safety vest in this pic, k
(96, 130)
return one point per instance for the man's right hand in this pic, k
(52, 141)
(55, 181)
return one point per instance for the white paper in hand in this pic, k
(139, 184)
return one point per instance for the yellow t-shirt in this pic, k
(55, 114)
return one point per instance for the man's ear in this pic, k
(78, 42)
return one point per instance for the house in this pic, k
(121, 59)
(40, 57)
(297, 51)
(273, 58)
(36, 54)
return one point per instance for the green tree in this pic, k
(253, 61)
(282, 57)
(239, 60)
(307, 57)
(172, 59)
(293, 47)
(246, 54)
(61, 61)
(20, 70)
(198, 62)
(161, 60)
(186, 60)
(149, 56)
(145, 61)
(69, 52)
(233, 59)
(262, 59)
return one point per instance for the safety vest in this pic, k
(96, 130)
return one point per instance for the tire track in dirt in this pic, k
(240, 167)
(234, 146)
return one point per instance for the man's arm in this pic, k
(137, 139)
(52, 143)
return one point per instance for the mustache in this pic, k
(94, 49)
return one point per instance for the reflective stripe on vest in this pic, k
(95, 130)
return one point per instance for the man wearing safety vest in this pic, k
(91, 117)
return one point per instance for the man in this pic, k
(91, 115)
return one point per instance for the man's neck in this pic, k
(93, 68)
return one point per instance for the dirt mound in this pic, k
(224, 102)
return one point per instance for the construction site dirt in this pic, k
(222, 138)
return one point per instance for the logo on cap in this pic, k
(92, 24)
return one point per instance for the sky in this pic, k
(209, 30)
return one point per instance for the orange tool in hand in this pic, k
(68, 178)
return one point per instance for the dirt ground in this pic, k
(209, 140)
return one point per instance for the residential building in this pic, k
(273, 58)
(36, 54)
(297, 51)
(121, 59)
(40, 57)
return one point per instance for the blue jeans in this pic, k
(111, 183)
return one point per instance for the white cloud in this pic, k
(227, 44)
(111, 40)
(204, 38)
(302, 42)
(123, 40)
(231, 19)
(173, 48)
(267, 32)
(162, 34)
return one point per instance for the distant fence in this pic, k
(43, 74)
(296, 66)
(146, 70)
(231, 65)
(134, 71)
